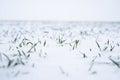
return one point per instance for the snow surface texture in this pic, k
(31, 50)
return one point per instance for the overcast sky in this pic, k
(81, 10)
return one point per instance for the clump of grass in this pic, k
(23, 42)
(111, 47)
(14, 62)
(34, 46)
(9, 60)
(22, 53)
(107, 46)
(26, 55)
(61, 40)
(18, 61)
(76, 43)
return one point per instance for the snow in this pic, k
(55, 54)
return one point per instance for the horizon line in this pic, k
(60, 20)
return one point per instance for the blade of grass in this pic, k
(44, 43)
(113, 61)
(92, 63)
(98, 45)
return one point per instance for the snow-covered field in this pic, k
(33, 50)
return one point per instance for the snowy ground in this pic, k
(59, 50)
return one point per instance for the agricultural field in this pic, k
(51, 50)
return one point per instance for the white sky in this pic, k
(82, 10)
